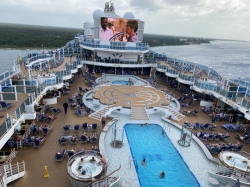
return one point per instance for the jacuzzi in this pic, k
(92, 168)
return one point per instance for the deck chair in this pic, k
(56, 110)
(34, 131)
(63, 140)
(93, 140)
(5, 105)
(94, 127)
(77, 128)
(74, 141)
(83, 139)
(27, 142)
(38, 143)
(70, 153)
(197, 125)
(206, 126)
(215, 150)
(46, 131)
(88, 111)
(71, 100)
(85, 127)
(66, 128)
(59, 156)
(238, 149)
(79, 112)
(51, 118)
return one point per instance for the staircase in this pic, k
(178, 115)
(138, 114)
(97, 115)
(10, 172)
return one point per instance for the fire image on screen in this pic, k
(118, 29)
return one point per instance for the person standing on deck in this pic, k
(65, 106)
(103, 121)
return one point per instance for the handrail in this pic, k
(101, 179)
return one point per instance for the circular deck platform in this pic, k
(128, 96)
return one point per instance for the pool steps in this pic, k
(138, 114)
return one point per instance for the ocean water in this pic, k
(7, 57)
(230, 59)
(161, 155)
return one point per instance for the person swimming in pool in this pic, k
(143, 162)
(162, 175)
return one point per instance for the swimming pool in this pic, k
(160, 155)
(122, 82)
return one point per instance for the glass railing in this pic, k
(172, 71)
(6, 75)
(186, 77)
(5, 126)
(94, 45)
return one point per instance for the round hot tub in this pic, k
(87, 169)
(235, 160)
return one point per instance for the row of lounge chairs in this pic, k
(76, 128)
(59, 156)
(64, 139)
(211, 136)
(44, 130)
(217, 148)
(231, 127)
(34, 142)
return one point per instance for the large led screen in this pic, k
(118, 29)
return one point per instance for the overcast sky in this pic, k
(225, 19)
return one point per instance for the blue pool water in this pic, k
(161, 155)
(122, 82)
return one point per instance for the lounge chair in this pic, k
(34, 131)
(230, 127)
(206, 126)
(215, 150)
(93, 140)
(238, 149)
(38, 143)
(77, 128)
(59, 156)
(74, 140)
(85, 127)
(245, 138)
(46, 131)
(70, 153)
(66, 128)
(11, 143)
(88, 111)
(51, 118)
(71, 100)
(197, 125)
(211, 137)
(94, 127)
(5, 105)
(63, 140)
(27, 142)
(79, 112)
(56, 111)
(83, 139)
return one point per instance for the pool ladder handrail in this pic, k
(166, 128)
(135, 162)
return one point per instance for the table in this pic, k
(213, 181)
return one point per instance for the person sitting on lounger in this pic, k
(242, 138)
